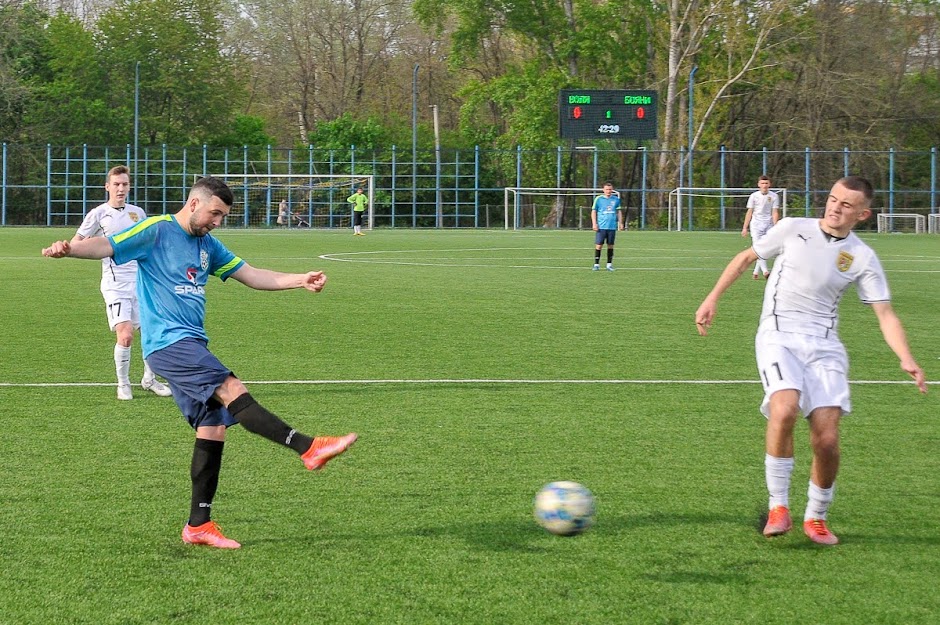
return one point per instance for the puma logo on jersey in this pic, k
(805, 239)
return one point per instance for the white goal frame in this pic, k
(306, 195)
(885, 222)
(512, 206)
(677, 207)
(933, 223)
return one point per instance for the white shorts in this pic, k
(121, 307)
(816, 367)
(759, 229)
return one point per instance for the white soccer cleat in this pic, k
(124, 392)
(156, 386)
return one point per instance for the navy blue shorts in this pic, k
(193, 373)
(605, 236)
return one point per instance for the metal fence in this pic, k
(56, 186)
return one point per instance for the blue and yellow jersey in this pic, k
(173, 267)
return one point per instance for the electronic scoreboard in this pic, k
(607, 114)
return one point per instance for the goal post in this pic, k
(296, 200)
(711, 208)
(896, 223)
(933, 223)
(549, 207)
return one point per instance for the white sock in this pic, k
(148, 372)
(777, 473)
(122, 364)
(818, 500)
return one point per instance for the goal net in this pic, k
(933, 223)
(902, 223)
(296, 200)
(549, 207)
(714, 208)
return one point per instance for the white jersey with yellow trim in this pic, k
(811, 273)
(763, 206)
(105, 220)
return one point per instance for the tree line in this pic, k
(780, 74)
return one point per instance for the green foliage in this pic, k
(72, 103)
(246, 130)
(345, 131)
(595, 47)
(22, 64)
(188, 86)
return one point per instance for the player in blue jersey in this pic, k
(607, 219)
(175, 256)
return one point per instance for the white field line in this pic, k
(493, 381)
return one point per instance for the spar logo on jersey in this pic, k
(844, 261)
(190, 289)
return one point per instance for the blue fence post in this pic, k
(394, 183)
(3, 190)
(808, 198)
(85, 178)
(48, 184)
(518, 184)
(721, 198)
(163, 178)
(763, 165)
(933, 178)
(643, 190)
(456, 188)
(845, 161)
(891, 180)
(310, 170)
(267, 192)
(476, 184)
(330, 194)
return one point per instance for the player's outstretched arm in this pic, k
(94, 248)
(267, 280)
(706, 312)
(895, 337)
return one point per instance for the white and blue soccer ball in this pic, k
(564, 508)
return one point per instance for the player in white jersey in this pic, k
(763, 211)
(802, 363)
(119, 282)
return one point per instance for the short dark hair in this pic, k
(608, 183)
(213, 187)
(858, 183)
(117, 170)
(764, 177)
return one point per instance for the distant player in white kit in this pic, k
(763, 211)
(802, 363)
(119, 282)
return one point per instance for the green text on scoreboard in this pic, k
(607, 114)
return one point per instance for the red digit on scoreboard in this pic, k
(640, 113)
(576, 112)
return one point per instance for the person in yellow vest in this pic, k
(359, 200)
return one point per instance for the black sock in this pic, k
(610, 255)
(204, 471)
(257, 420)
(597, 257)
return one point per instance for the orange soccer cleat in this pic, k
(818, 532)
(325, 448)
(209, 533)
(778, 521)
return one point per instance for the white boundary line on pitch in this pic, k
(448, 381)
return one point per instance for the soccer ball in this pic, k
(564, 508)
